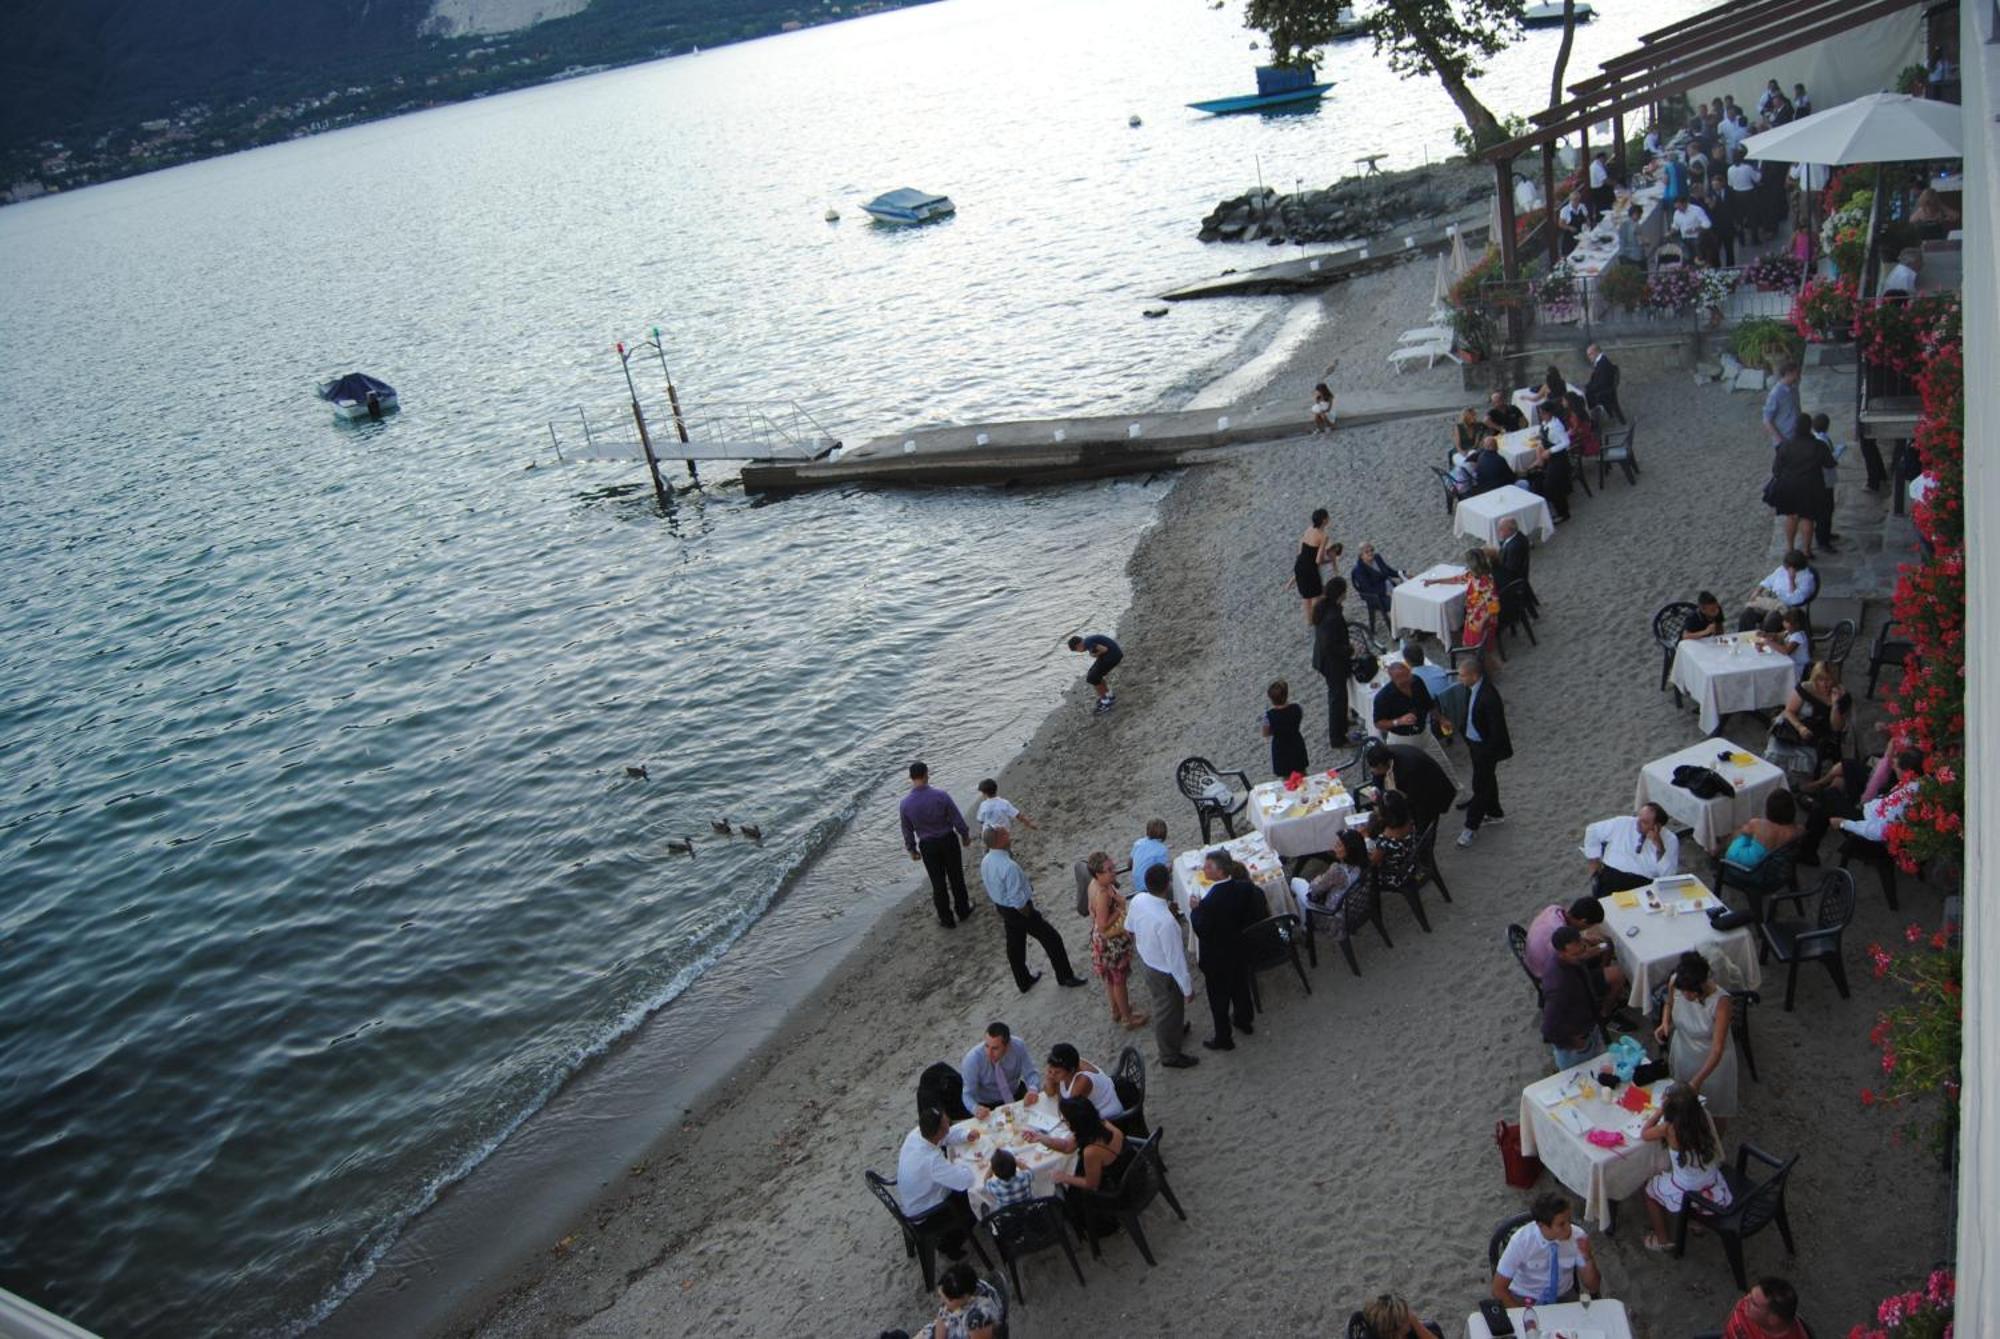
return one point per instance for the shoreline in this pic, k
(686, 1037)
(1273, 354)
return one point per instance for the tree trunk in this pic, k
(1485, 127)
(1562, 54)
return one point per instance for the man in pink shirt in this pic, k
(1587, 915)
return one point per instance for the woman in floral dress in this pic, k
(1110, 941)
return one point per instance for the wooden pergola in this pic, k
(1698, 50)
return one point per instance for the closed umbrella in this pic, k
(1460, 262)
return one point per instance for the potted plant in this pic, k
(1622, 286)
(1924, 1313)
(1766, 342)
(1823, 312)
(1556, 292)
(1775, 273)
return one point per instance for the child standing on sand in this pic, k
(1323, 414)
(995, 812)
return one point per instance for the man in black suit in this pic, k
(1416, 776)
(1225, 911)
(1487, 742)
(1602, 388)
(1514, 562)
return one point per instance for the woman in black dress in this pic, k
(1333, 658)
(1284, 726)
(1798, 486)
(1313, 550)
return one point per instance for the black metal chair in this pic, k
(1503, 1232)
(1887, 653)
(1201, 781)
(1752, 1207)
(1270, 943)
(1517, 940)
(1423, 870)
(1877, 857)
(941, 1086)
(1778, 870)
(1359, 905)
(1835, 644)
(1450, 490)
(1739, 1026)
(1144, 1181)
(924, 1233)
(1668, 624)
(1618, 451)
(1128, 1077)
(1361, 641)
(1816, 940)
(1028, 1228)
(1517, 604)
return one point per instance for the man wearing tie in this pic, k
(1601, 391)
(1230, 906)
(1487, 742)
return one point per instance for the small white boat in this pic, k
(358, 395)
(832, 214)
(1134, 121)
(907, 206)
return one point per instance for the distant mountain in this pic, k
(128, 85)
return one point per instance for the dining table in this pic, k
(1651, 926)
(1712, 819)
(1518, 448)
(1008, 1127)
(1300, 819)
(1599, 1318)
(1731, 673)
(1267, 871)
(1480, 515)
(1558, 1116)
(1415, 606)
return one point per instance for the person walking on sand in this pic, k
(1007, 884)
(1161, 949)
(1111, 938)
(1486, 739)
(1104, 657)
(933, 832)
(1322, 409)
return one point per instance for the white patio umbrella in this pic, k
(1878, 128)
(1441, 290)
(1460, 262)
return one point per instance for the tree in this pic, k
(1445, 39)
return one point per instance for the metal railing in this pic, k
(724, 430)
(1721, 299)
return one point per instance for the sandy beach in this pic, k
(1347, 1147)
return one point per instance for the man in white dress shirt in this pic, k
(926, 1177)
(1602, 193)
(1690, 221)
(1162, 951)
(1631, 850)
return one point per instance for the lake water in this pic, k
(322, 872)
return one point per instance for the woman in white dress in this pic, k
(1694, 1156)
(1694, 1027)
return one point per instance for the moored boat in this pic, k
(1277, 86)
(1551, 16)
(908, 205)
(358, 395)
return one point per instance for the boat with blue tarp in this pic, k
(358, 395)
(1277, 86)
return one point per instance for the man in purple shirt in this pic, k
(933, 832)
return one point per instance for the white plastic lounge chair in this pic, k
(1430, 353)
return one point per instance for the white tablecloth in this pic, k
(1518, 448)
(1601, 1175)
(1725, 674)
(1327, 806)
(1599, 247)
(1002, 1128)
(1524, 400)
(1648, 956)
(1435, 610)
(1480, 516)
(1266, 871)
(1712, 820)
(1604, 1318)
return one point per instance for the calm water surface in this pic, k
(319, 868)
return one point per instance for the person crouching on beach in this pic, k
(1323, 413)
(1104, 657)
